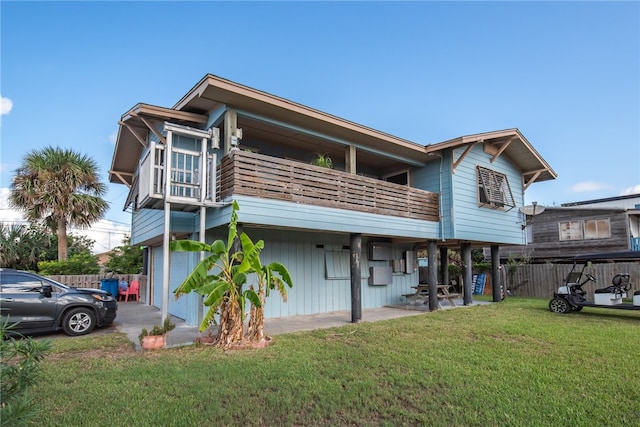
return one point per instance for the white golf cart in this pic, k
(571, 296)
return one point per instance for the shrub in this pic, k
(19, 368)
(83, 263)
(125, 259)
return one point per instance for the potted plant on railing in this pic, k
(157, 336)
(322, 160)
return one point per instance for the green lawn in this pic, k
(513, 363)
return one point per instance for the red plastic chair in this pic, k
(133, 290)
(122, 293)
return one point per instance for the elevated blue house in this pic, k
(349, 235)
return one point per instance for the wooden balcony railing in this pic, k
(251, 174)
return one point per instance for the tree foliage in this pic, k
(125, 259)
(76, 244)
(59, 188)
(23, 246)
(79, 264)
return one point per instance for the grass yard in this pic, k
(513, 363)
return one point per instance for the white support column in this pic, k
(203, 171)
(202, 236)
(166, 259)
(166, 238)
(204, 183)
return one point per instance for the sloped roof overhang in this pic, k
(135, 125)
(508, 142)
(213, 91)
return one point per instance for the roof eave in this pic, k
(128, 148)
(217, 89)
(541, 164)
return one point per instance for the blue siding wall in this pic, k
(148, 224)
(181, 266)
(436, 177)
(304, 254)
(479, 223)
(156, 286)
(292, 215)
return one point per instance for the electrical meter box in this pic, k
(380, 251)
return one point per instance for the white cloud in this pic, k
(588, 186)
(6, 105)
(631, 190)
(8, 214)
(106, 234)
(112, 137)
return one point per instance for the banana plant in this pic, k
(273, 276)
(223, 290)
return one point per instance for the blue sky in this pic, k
(567, 74)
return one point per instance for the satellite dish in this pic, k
(532, 210)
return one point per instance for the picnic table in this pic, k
(422, 291)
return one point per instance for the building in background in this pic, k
(593, 226)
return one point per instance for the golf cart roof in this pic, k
(609, 256)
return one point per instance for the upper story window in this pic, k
(584, 229)
(493, 189)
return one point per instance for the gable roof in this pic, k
(212, 92)
(259, 109)
(511, 143)
(131, 139)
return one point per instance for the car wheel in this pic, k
(559, 305)
(79, 321)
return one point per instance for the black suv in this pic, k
(39, 304)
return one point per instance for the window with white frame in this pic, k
(185, 177)
(584, 229)
(493, 189)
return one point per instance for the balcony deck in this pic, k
(251, 174)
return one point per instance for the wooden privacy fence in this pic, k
(93, 280)
(542, 280)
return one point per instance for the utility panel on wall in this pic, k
(380, 251)
(409, 262)
(380, 276)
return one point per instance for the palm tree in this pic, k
(59, 188)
